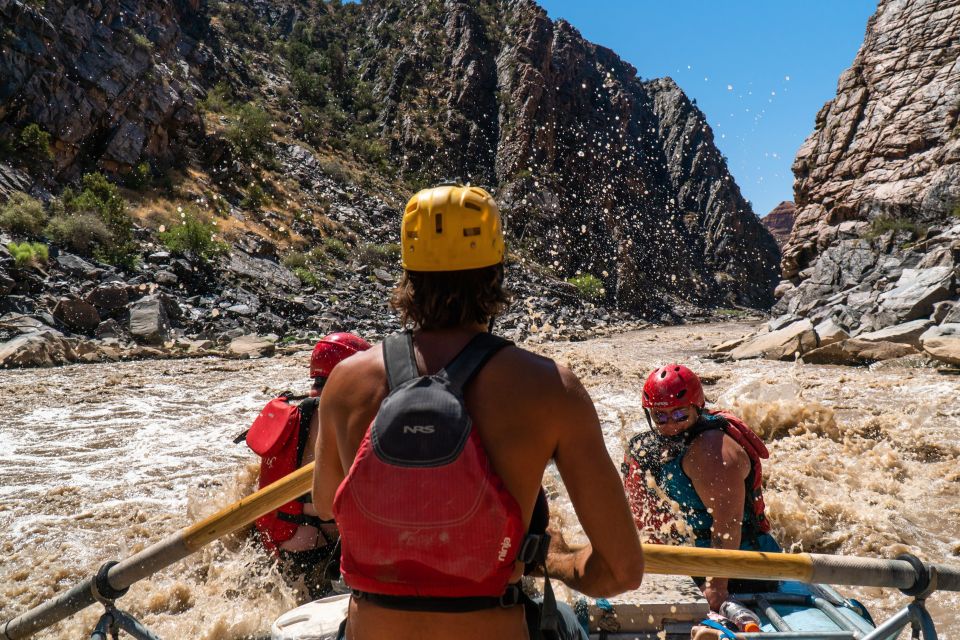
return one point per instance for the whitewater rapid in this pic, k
(102, 460)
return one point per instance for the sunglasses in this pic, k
(677, 415)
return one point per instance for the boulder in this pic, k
(78, 266)
(77, 315)
(20, 323)
(148, 320)
(829, 332)
(46, 348)
(943, 342)
(109, 297)
(729, 345)
(906, 333)
(855, 351)
(916, 292)
(953, 315)
(110, 328)
(782, 344)
(6, 283)
(941, 311)
(251, 346)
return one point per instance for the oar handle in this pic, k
(804, 567)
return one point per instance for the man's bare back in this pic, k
(527, 410)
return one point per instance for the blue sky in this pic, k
(759, 69)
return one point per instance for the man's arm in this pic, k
(717, 466)
(613, 561)
(328, 472)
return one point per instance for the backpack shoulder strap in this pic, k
(399, 359)
(472, 357)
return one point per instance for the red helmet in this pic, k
(332, 349)
(673, 385)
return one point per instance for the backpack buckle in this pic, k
(510, 597)
(533, 548)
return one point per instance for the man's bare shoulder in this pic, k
(362, 374)
(527, 369)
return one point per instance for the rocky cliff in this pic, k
(779, 222)
(293, 124)
(872, 267)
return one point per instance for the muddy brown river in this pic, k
(100, 461)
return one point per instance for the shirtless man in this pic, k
(527, 409)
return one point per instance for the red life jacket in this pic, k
(421, 512)
(279, 436)
(650, 506)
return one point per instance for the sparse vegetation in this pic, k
(250, 132)
(141, 41)
(307, 277)
(34, 144)
(589, 286)
(295, 260)
(139, 177)
(23, 215)
(82, 233)
(883, 224)
(380, 255)
(219, 99)
(193, 236)
(335, 248)
(101, 199)
(256, 197)
(29, 254)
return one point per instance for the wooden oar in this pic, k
(659, 559)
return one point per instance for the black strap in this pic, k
(307, 408)
(512, 596)
(399, 358)
(303, 518)
(471, 358)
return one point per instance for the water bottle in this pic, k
(741, 616)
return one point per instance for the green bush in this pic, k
(22, 215)
(218, 98)
(250, 132)
(193, 236)
(139, 177)
(100, 200)
(317, 255)
(34, 144)
(380, 255)
(956, 211)
(82, 233)
(29, 254)
(307, 277)
(295, 260)
(589, 286)
(256, 197)
(336, 248)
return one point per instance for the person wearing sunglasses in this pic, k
(708, 463)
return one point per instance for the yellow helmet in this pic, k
(451, 228)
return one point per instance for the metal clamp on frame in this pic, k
(100, 586)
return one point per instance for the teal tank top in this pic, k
(678, 486)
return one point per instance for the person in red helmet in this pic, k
(708, 462)
(285, 436)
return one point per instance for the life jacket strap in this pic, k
(303, 519)
(512, 596)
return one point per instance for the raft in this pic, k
(663, 608)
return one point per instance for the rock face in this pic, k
(779, 222)
(103, 78)
(597, 171)
(875, 249)
(888, 144)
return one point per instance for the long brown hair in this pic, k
(446, 299)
